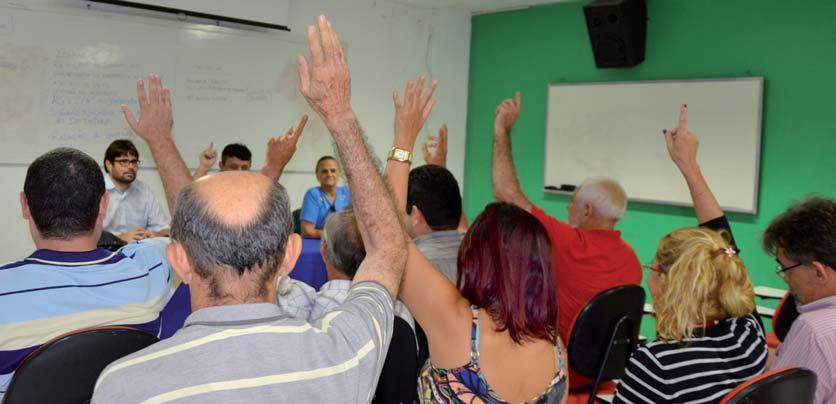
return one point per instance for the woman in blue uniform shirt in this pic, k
(321, 201)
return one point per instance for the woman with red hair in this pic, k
(494, 338)
(505, 312)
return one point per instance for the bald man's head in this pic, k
(233, 223)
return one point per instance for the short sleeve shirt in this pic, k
(811, 343)
(256, 353)
(51, 293)
(316, 206)
(586, 262)
(137, 207)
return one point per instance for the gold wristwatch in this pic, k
(401, 155)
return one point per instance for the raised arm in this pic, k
(682, 147)
(438, 155)
(326, 85)
(154, 126)
(410, 116)
(207, 159)
(434, 302)
(435, 152)
(281, 149)
(506, 185)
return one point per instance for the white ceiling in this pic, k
(477, 6)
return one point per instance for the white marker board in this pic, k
(615, 130)
(65, 73)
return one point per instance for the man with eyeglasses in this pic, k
(134, 213)
(803, 240)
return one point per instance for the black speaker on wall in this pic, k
(617, 30)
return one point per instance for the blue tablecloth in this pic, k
(310, 268)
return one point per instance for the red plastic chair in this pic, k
(785, 314)
(780, 386)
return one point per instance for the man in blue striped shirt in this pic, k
(68, 283)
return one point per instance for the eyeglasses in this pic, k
(781, 270)
(127, 162)
(654, 269)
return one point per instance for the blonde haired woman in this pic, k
(708, 339)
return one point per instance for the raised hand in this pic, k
(439, 154)
(682, 144)
(325, 82)
(281, 149)
(208, 156)
(506, 185)
(326, 85)
(507, 113)
(155, 117)
(682, 147)
(412, 113)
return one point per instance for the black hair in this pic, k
(238, 151)
(119, 148)
(806, 232)
(435, 191)
(63, 189)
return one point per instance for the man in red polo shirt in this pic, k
(588, 255)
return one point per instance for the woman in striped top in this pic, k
(708, 340)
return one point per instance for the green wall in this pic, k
(791, 44)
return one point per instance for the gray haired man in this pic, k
(233, 234)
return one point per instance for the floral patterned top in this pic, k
(467, 384)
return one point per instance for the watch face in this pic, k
(401, 154)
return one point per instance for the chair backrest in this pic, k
(65, 369)
(297, 221)
(785, 385)
(785, 314)
(398, 382)
(614, 315)
(423, 347)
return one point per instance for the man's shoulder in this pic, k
(151, 247)
(13, 264)
(128, 374)
(819, 324)
(370, 297)
(553, 225)
(17, 276)
(207, 352)
(439, 239)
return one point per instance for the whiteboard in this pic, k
(615, 130)
(65, 73)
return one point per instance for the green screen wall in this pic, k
(791, 44)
